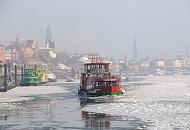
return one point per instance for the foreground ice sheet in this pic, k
(162, 102)
(10, 99)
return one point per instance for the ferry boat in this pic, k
(42, 76)
(96, 80)
(29, 77)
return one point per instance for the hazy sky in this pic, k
(162, 27)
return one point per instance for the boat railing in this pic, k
(97, 71)
(102, 76)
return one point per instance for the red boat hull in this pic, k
(113, 90)
(101, 91)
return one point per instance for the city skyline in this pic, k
(107, 27)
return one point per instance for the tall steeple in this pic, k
(126, 59)
(17, 40)
(135, 55)
(48, 34)
(49, 42)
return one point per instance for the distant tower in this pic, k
(17, 40)
(49, 42)
(126, 60)
(48, 33)
(135, 55)
(146, 56)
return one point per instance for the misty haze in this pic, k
(94, 64)
(161, 26)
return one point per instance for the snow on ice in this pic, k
(164, 101)
(10, 99)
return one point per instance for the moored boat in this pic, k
(42, 76)
(29, 77)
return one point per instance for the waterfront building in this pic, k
(31, 49)
(31, 53)
(160, 63)
(48, 53)
(1, 72)
(5, 55)
(2, 53)
(133, 68)
(178, 63)
(15, 51)
(8, 55)
(144, 65)
(181, 63)
(169, 65)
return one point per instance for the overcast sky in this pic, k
(162, 27)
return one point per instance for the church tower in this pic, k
(49, 42)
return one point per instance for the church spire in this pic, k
(49, 42)
(48, 34)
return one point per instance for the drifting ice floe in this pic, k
(9, 99)
(164, 102)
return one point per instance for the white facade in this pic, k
(160, 63)
(182, 63)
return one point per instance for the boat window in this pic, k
(85, 67)
(100, 84)
(96, 84)
(114, 83)
(106, 84)
(93, 66)
(100, 66)
(105, 66)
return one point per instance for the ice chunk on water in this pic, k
(165, 101)
(19, 94)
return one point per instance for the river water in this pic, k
(148, 103)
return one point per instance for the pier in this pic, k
(9, 77)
